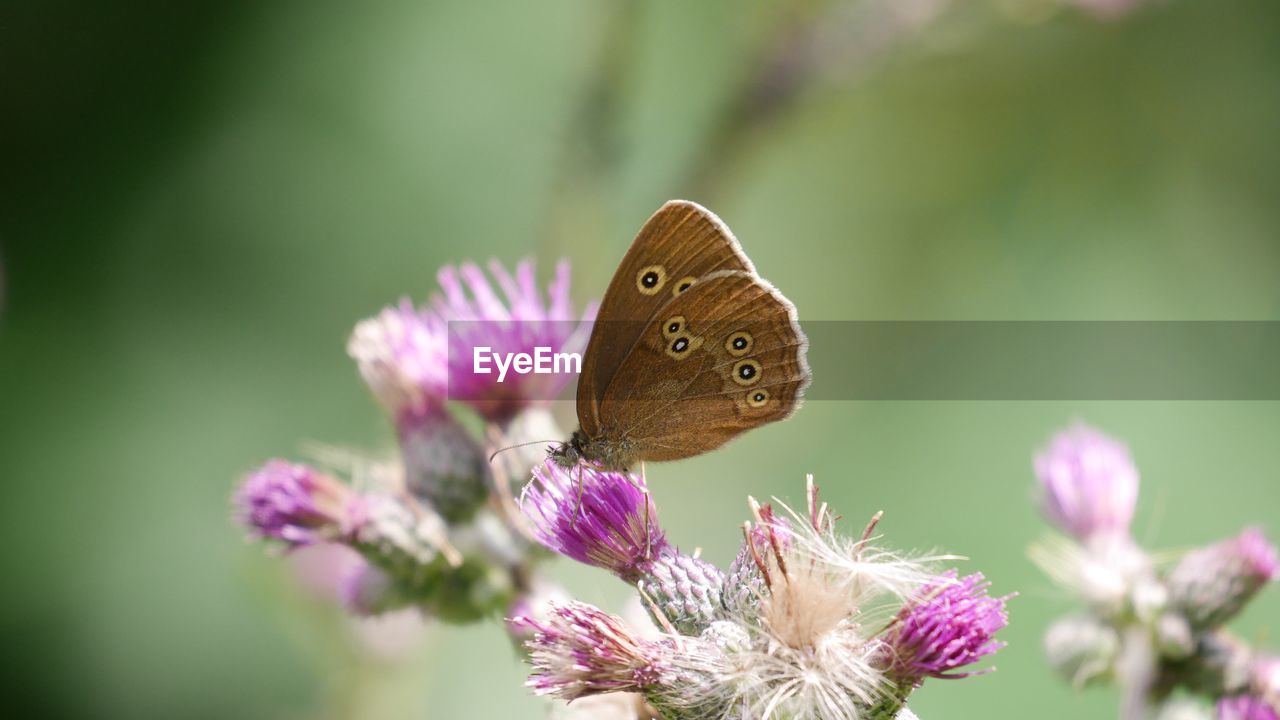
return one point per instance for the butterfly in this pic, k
(690, 348)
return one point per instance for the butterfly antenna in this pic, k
(499, 451)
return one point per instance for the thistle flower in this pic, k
(297, 504)
(415, 357)
(402, 354)
(807, 640)
(1151, 632)
(580, 650)
(601, 518)
(1089, 482)
(1211, 585)
(1246, 707)
(520, 325)
(813, 650)
(950, 624)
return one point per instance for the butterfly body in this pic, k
(690, 348)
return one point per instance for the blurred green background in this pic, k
(198, 201)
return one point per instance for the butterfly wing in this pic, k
(680, 243)
(725, 356)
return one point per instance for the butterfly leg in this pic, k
(577, 506)
(644, 488)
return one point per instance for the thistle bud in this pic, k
(298, 504)
(1089, 483)
(1211, 585)
(685, 589)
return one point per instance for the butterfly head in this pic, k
(613, 456)
(570, 452)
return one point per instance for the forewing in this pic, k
(680, 243)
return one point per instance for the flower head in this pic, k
(1256, 555)
(1089, 482)
(597, 517)
(1246, 707)
(403, 357)
(297, 504)
(805, 639)
(580, 650)
(521, 325)
(415, 357)
(949, 625)
(1212, 584)
(812, 648)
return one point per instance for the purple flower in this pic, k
(951, 623)
(297, 504)
(600, 518)
(414, 357)
(1246, 707)
(521, 325)
(580, 650)
(1089, 482)
(1211, 585)
(403, 357)
(1256, 556)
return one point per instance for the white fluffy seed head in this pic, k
(813, 650)
(865, 571)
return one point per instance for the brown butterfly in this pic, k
(690, 348)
